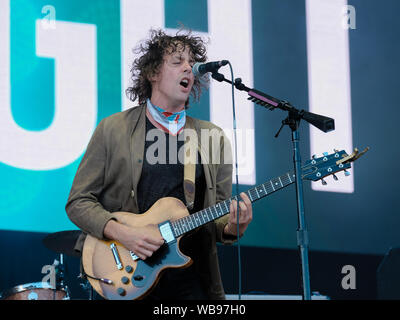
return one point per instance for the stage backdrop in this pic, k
(64, 66)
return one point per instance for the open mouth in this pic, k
(184, 83)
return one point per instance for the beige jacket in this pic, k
(107, 178)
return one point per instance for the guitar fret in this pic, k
(219, 210)
(176, 223)
(174, 229)
(227, 207)
(287, 180)
(208, 214)
(218, 207)
(264, 188)
(258, 195)
(212, 215)
(260, 191)
(201, 215)
(189, 221)
(178, 231)
(205, 213)
(194, 219)
(184, 224)
(275, 182)
(290, 180)
(272, 185)
(280, 181)
(216, 212)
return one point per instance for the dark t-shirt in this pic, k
(162, 173)
(162, 176)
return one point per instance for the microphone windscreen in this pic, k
(195, 69)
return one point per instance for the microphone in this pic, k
(200, 69)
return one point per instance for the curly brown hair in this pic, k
(152, 55)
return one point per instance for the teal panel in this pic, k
(190, 13)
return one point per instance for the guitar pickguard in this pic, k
(147, 271)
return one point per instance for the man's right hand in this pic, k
(142, 241)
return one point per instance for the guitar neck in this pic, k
(195, 220)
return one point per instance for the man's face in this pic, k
(172, 85)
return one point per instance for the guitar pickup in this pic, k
(115, 253)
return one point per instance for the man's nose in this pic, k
(187, 67)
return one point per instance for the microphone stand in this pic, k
(293, 121)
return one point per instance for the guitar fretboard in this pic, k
(195, 220)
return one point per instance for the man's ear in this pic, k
(153, 78)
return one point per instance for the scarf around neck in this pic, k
(172, 122)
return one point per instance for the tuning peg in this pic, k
(346, 173)
(323, 182)
(314, 156)
(335, 150)
(325, 154)
(335, 177)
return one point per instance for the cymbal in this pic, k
(63, 242)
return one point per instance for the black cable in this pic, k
(237, 186)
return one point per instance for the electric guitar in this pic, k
(117, 273)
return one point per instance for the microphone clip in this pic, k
(218, 76)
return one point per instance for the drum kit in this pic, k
(62, 243)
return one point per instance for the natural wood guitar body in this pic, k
(98, 259)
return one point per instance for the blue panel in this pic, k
(191, 13)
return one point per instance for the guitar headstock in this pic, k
(329, 164)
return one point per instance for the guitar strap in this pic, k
(190, 157)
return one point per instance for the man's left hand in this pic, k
(245, 216)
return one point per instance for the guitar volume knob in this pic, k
(128, 269)
(125, 280)
(121, 291)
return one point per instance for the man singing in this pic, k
(121, 170)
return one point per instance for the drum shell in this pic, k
(35, 291)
